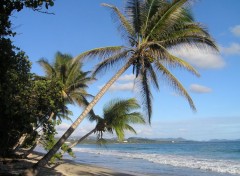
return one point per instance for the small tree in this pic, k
(118, 116)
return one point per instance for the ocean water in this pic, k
(168, 159)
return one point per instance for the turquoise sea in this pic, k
(169, 159)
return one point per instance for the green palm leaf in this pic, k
(125, 25)
(167, 16)
(175, 84)
(49, 70)
(109, 62)
(103, 52)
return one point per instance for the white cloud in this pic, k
(233, 49)
(124, 83)
(196, 88)
(236, 30)
(199, 58)
(122, 87)
(127, 77)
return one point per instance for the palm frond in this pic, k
(77, 85)
(48, 69)
(175, 84)
(190, 33)
(167, 16)
(118, 107)
(146, 95)
(67, 98)
(135, 118)
(152, 76)
(109, 62)
(132, 10)
(173, 60)
(60, 60)
(130, 128)
(149, 9)
(125, 25)
(102, 53)
(73, 71)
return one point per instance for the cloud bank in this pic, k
(127, 77)
(124, 83)
(199, 58)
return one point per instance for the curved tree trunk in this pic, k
(71, 129)
(22, 141)
(26, 153)
(80, 140)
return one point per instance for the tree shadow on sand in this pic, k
(17, 166)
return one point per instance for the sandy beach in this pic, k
(65, 168)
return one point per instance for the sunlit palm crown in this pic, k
(152, 28)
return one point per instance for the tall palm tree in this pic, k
(151, 28)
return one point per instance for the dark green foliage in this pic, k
(25, 103)
(7, 6)
(15, 86)
(22, 100)
(46, 98)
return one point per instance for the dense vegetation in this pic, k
(25, 100)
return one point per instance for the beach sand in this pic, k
(65, 168)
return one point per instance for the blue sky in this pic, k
(78, 26)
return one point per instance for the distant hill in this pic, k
(139, 140)
(91, 140)
(155, 140)
(223, 140)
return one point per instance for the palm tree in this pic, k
(70, 75)
(118, 115)
(151, 28)
(73, 79)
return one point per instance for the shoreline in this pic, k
(64, 168)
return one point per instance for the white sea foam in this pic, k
(221, 166)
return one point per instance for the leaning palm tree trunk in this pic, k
(26, 153)
(80, 140)
(71, 129)
(20, 142)
(24, 137)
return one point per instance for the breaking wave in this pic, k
(221, 166)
